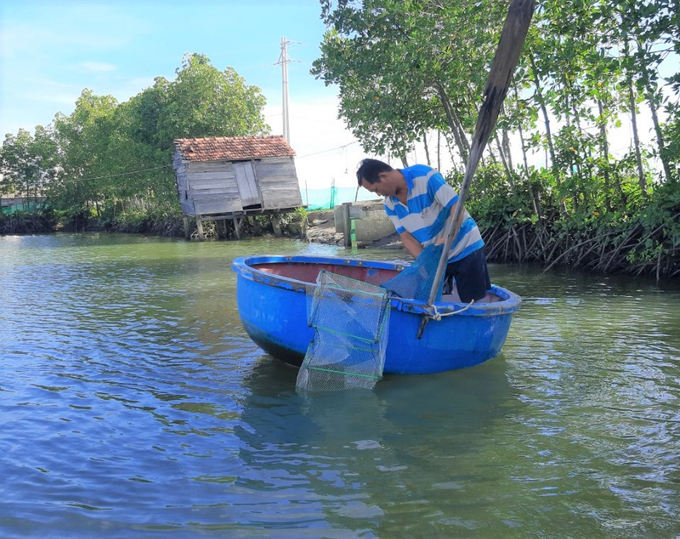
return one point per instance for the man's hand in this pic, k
(411, 244)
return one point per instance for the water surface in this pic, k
(132, 403)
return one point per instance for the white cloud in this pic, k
(326, 151)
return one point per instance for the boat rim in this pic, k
(243, 266)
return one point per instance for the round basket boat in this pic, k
(272, 295)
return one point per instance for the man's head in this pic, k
(370, 169)
(379, 178)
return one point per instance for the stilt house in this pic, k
(227, 178)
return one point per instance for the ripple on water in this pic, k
(134, 404)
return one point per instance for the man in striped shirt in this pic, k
(419, 201)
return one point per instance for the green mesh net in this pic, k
(350, 320)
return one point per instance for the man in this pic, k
(419, 201)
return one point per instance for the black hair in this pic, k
(370, 169)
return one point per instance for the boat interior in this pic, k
(308, 273)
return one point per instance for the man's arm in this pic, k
(411, 244)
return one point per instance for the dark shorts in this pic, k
(472, 277)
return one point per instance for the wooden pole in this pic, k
(199, 227)
(237, 225)
(276, 225)
(221, 226)
(497, 84)
(187, 232)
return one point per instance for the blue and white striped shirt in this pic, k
(427, 207)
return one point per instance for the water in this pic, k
(133, 404)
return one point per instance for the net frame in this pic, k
(351, 322)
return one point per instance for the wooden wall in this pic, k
(278, 182)
(211, 188)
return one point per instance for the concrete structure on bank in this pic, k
(362, 223)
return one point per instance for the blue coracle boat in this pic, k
(272, 294)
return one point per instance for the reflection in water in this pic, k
(371, 454)
(133, 403)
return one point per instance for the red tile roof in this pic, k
(233, 148)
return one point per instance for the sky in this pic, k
(50, 51)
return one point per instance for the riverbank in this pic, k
(317, 227)
(649, 245)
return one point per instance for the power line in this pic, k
(118, 175)
(329, 150)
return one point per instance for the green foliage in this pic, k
(627, 231)
(204, 101)
(400, 66)
(300, 214)
(409, 67)
(671, 135)
(28, 164)
(108, 159)
(494, 202)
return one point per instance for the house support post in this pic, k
(237, 226)
(276, 225)
(199, 226)
(221, 226)
(187, 232)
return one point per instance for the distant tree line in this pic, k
(112, 161)
(413, 72)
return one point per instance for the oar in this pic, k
(497, 84)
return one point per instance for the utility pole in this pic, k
(283, 61)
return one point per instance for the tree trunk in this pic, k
(439, 150)
(427, 150)
(651, 102)
(461, 141)
(544, 111)
(636, 138)
(534, 199)
(506, 148)
(602, 124)
(508, 171)
(642, 181)
(452, 154)
(577, 120)
(521, 139)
